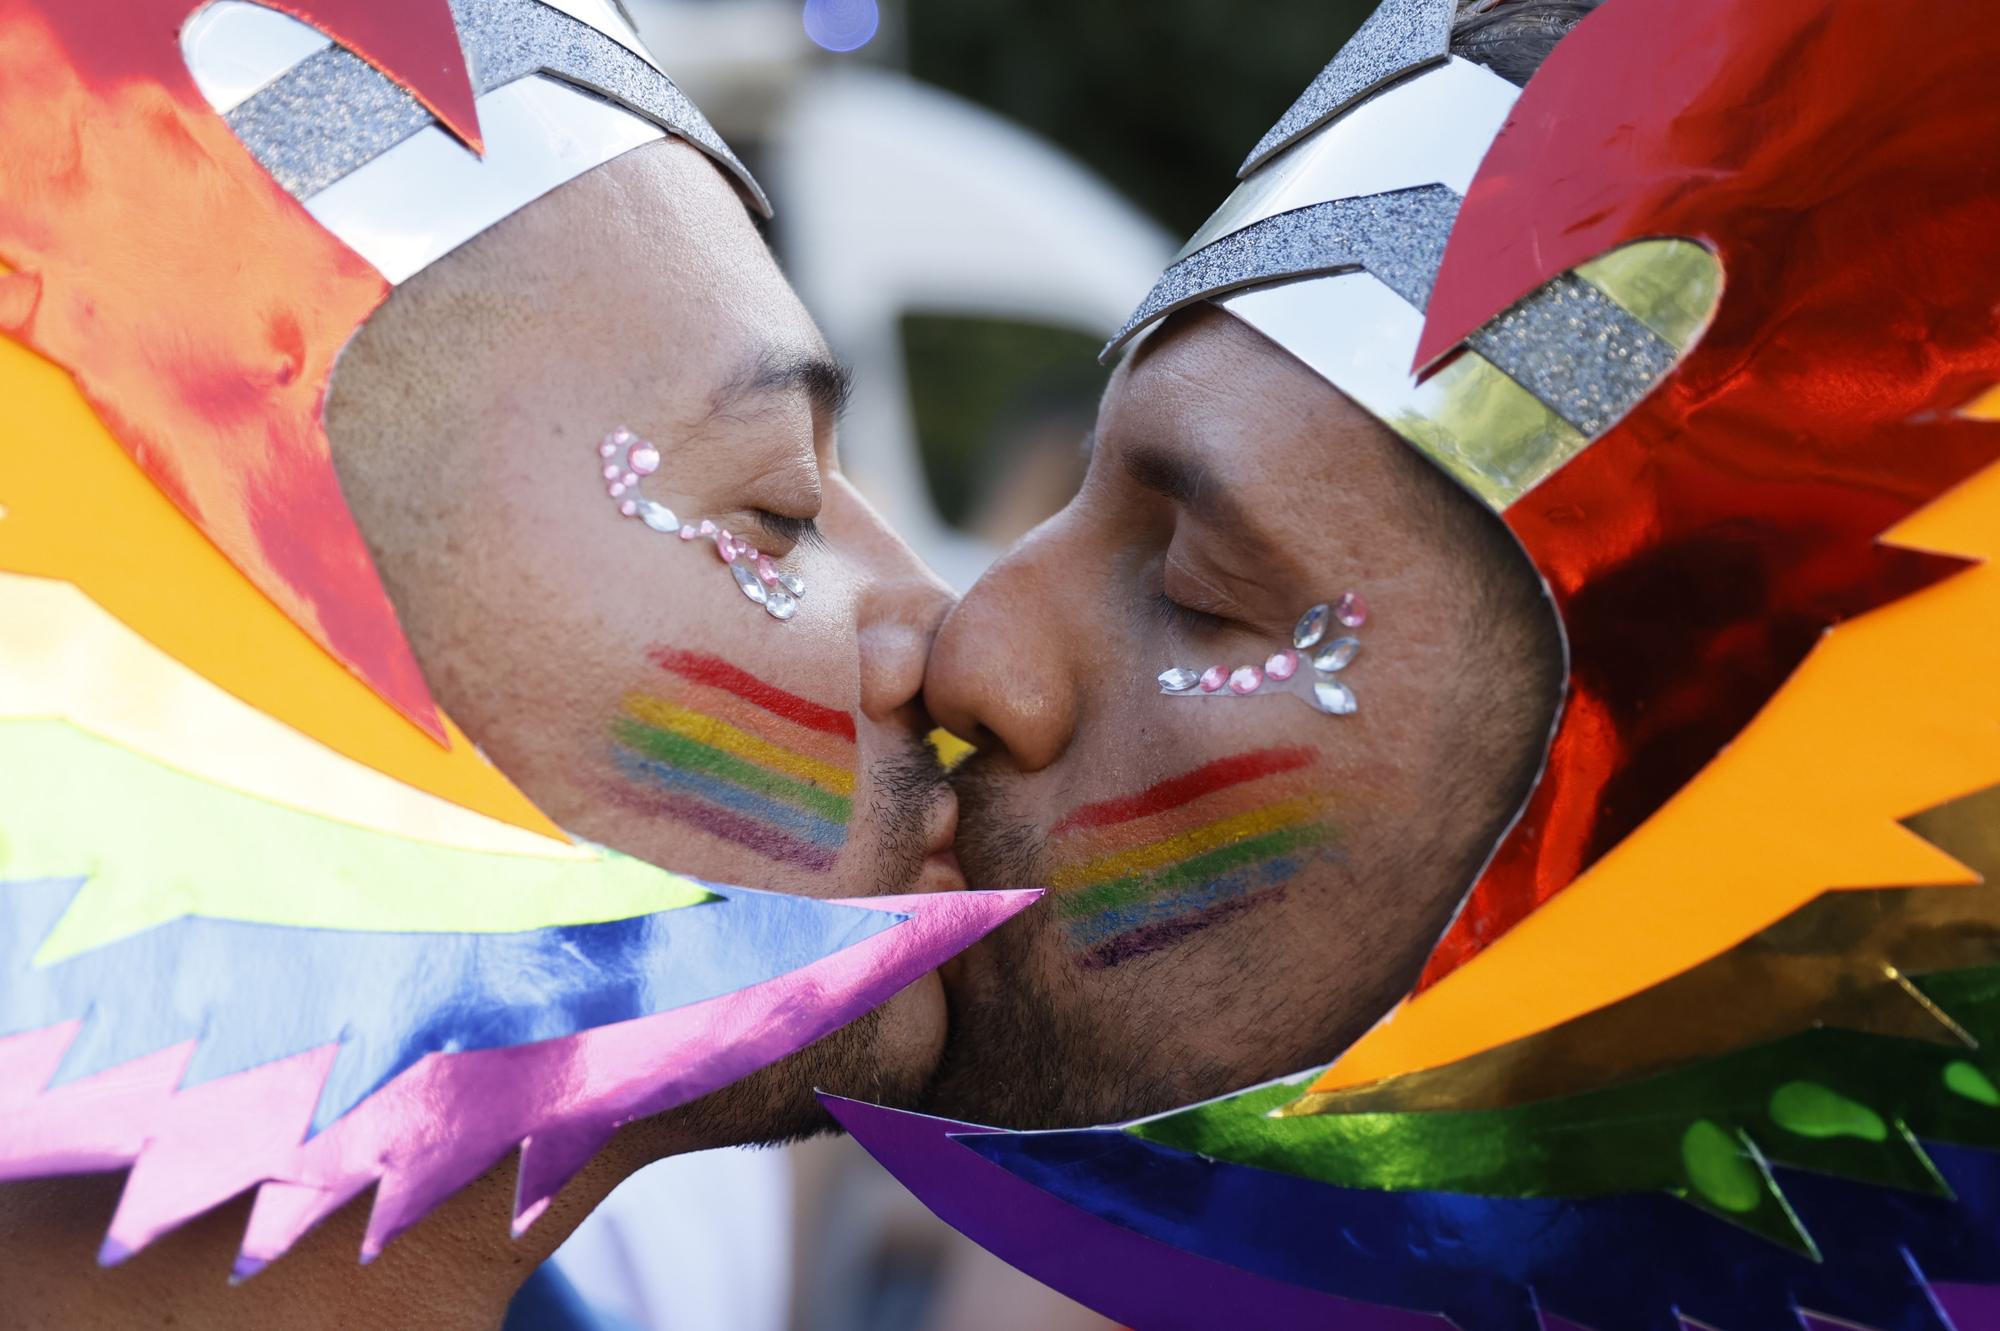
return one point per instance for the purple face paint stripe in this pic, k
(1153, 937)
(728, 826)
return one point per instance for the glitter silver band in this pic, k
(1582, 353)
(1398, 236)
(1399, 37)
(333, 112)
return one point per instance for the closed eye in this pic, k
(796, 531)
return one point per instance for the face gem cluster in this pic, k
(1281, 673)
(627, 459)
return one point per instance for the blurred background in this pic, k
(972, 195)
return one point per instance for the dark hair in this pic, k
(1513, 37)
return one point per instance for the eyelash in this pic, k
(799, 531)
(1175, 615)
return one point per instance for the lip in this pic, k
(941, 871)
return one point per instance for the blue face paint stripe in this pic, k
(792, 821)
(1094, 929)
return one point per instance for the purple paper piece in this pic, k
(1969, 1307)
(1126, 1277)
(549, 1160)
(449, 1117)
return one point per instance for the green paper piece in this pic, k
(1961, 1078)
(155, 844)
(1846, 1103)
(1720, 1170)
(1812, 1110)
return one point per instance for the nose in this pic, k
(1004, 669)
(898, 613)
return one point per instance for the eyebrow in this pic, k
(825, 382)
(1187, 481)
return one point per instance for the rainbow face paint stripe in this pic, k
(741, 759)
(1140, 873)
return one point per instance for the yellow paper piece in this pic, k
(79, 510)
(1893, 713)
(63, 656)
(1842, 962)
(156, 844)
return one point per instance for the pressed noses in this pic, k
(1004, 669)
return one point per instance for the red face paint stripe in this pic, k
(1187, 787)
(717, 673)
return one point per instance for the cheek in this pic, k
(1157, 866)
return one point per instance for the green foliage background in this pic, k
(1164, 97)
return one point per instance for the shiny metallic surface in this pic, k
(324, 117)
(1399, 237)
(234, 47)
(1577, 350)
(1490, 434)
(334, 112)
(1400, 36)
(427, 196)
(1429, 130)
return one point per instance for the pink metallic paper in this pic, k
(449, 1117)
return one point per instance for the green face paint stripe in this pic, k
(698, 757)
(1209, 864)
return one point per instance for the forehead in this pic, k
(650, 262)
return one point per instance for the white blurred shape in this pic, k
(692, 1243)
(897, 197)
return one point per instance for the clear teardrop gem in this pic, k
(780, 604)
(1330, 695)
(658, 516)
(1336, 655)
(1178, 680)
(1311, 627)
(792, 583)
(746, 578)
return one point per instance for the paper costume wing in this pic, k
(268, 921)
(1711, 1040)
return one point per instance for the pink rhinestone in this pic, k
(745, 550)
(606, 449)
(611, 473)
(706, 528)
(767, 570)
(1351, 610)
(1282, 666)
(645, 459)
(622, 436)
(631, 478)
(615, 489)
(630, 508)
(688, 533)
(1245, 679)
(725, 546)
(1213, 678)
